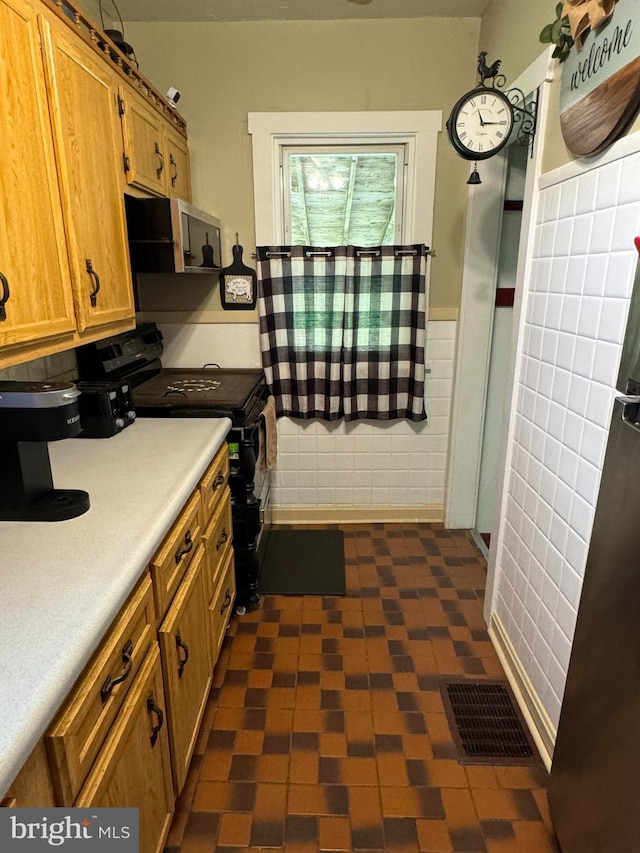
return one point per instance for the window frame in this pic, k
(417, 129)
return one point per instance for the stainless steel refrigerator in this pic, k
(594, 789)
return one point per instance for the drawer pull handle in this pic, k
(93, 296)
(160, 168)
(174, 177)
(152, 708)
(227, 601)
(127, 659)
(180, 644)
(223, 538)
(188, 545)
(219, 480)
(6, 293)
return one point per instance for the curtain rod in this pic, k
(430, 252)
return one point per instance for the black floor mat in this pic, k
(486, 724)
(304, 562)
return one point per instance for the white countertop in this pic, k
(63, 583)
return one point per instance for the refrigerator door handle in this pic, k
(630, 413)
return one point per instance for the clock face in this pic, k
(480, 124)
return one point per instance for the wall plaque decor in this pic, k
(600, 92)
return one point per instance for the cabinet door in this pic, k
(221, 606)
(143, 132)
(133, 769)
(84, 721)
(84, 104)
(35, 284)
(186, 664)
(178, 175)
(32, 787)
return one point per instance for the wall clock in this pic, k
(480, 123)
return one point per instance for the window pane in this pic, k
(344, 196)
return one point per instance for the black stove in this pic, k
(209, 392)
(198, 392)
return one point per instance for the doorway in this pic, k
(516, 162)
(475, 366)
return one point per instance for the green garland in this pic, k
(558, 33)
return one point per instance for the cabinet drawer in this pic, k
(133, 768)
(74, 739)
(213, 484)
(171, 561)
(222, 604)
(217, 539)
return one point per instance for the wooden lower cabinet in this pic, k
(134, 767)
(126, 733)
(32, 787)
(76, 736)
(186, 665)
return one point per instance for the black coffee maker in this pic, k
(31, 414)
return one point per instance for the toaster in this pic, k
(106, 408)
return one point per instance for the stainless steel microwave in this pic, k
(167, 235)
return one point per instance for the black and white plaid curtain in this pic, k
(342, 330)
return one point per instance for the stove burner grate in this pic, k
(192, 385)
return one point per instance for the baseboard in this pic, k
(337, 514)
(542, 729)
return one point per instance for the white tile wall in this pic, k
(577, 303)
(61, 366)
(372, 464)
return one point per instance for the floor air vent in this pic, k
(486, 724)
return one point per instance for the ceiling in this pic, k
(295, 10)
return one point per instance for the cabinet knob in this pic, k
(6, 293)
(174, 177)
(219, 480)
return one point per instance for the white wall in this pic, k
(577, 303)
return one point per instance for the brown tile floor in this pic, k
(326, 731)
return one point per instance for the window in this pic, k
(343, 195)
(414, 132)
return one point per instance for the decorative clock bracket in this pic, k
(524, 113)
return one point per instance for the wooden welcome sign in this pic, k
(600, 91)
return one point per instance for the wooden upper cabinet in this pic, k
(145, 162)
(83, 100)
(35, 286)
(178, 175)
(156, 155)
